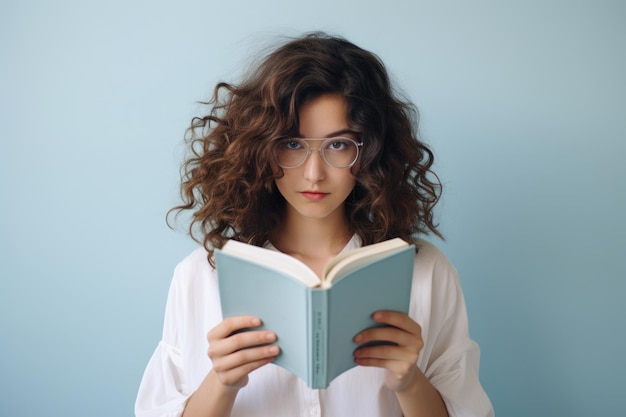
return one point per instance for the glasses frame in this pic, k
(320, 149)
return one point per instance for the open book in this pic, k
(315, 319)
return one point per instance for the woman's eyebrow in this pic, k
(336, 133)
(341, 132)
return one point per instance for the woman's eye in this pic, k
(337, 145)
(292, 145)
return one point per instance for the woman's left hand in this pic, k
(399, 357)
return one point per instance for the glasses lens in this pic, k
(290, 152)
(340, 152)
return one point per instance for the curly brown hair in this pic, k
(228, 179)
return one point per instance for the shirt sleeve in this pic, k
(454, 357)
(163, 391)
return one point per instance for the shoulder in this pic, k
(434, 274)
(196, 261)
(193, 301)
(430, 257)
(194, 291)
(193, 271)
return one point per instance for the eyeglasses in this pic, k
(338, 152)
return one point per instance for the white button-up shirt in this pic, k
(449, 357)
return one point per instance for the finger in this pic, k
(388, 352)
(397, 319)
(231, 325)
(397, 368)
(237, 377)
(239, 341)
(379, 363)
(388, 343)
(245, 359)
(390, 336)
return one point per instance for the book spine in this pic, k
(319, 338)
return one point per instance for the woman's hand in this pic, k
(236, 353)
(402, 343)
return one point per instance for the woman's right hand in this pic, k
(236, 353)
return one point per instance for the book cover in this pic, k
(314, 320)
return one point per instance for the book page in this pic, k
(278, 261)
(344, 263)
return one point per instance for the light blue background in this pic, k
(524, 103)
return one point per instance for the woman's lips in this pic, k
(313, 195)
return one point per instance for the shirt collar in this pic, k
(353, 243)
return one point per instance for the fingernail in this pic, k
(358, 338)
(270, 336)
(256, 322)
(273, 350)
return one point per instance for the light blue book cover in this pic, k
(314, 325)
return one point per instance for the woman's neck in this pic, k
(312, 241)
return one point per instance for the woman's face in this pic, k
(315, 190)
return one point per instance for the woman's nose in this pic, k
(314, 166)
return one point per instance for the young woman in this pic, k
(311, 155)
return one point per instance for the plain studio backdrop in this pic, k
(523, 102)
